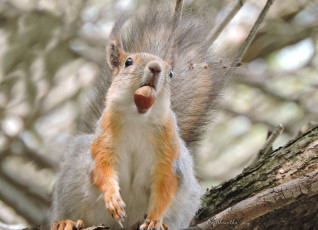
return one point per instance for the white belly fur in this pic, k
(134, 171)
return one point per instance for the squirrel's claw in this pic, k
(122, 217)
(116, 207)
(79, 224)
(119, 222)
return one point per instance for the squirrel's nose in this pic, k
(154, 67)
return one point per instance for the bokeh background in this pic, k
(51, 52)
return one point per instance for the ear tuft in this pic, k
(115, 55)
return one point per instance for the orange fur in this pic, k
(102, 151)
(165, 180)
(105, 157)
(137, 58)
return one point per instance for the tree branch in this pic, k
(296, 159)
(225, 21)
(266, 149)
(241, 52)
(262, 203)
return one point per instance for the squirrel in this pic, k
(131, 165)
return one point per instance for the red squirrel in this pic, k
(131, 167)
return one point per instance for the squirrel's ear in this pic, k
(115, 55)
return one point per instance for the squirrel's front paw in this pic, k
(115, 206)
(153, 225)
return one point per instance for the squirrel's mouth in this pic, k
(151, 83)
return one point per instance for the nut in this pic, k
(144, 98)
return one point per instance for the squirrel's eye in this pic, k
(129, 62)
(170, 73)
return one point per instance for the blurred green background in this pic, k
(52, 50)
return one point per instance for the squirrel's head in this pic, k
(130, 72)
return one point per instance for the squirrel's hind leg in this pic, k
(153, 224)
(67, 225)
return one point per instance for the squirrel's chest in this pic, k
(136, 159)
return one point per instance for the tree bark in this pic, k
(289, 178)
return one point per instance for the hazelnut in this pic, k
(144, 98)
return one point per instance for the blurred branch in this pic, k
(11, 226)
(29, 206)
(277, 37)
(28, 187)
(225, 21)
(42, 160)
(261, 85)
(267, 147)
